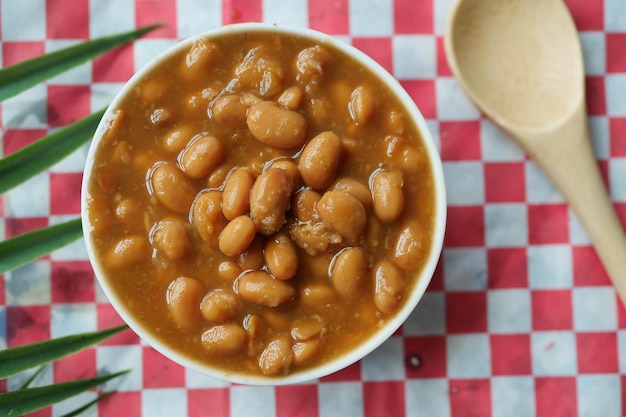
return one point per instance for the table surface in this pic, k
(520, 318)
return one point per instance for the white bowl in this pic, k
(413, 297)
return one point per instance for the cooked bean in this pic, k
(389, 287)
(113, 123)
(224, 339)
(291, 167)
(291, 98)
(229, 271)
(200, 59)
(277, 357)
(303, 206)
(128, 251)
(123, 152)
(183, 298)
(248, 99)
(177, 138)
(314, 237)
(172, 188)
(387, 195)
(280, 256)
(276, 126)
(355, 188)
(305, 352)
(317, 295)
(170, 238)
(344, 213)
(349, 272)
(202, 155)
(362, 104)
(319, 160)
(99, 218)
(218, 177)
(252, 258)
(128, 211)
(236, 194)
(153, 88)
(276, 320)
(313, 62)
(237, 236)
(258, 69)
(403, 155)
(207, 216)
(395, 121)
(254, 326)
(259, 287)
(160, 117)
(409, 247)
(307, 328)
(219, 305)
(269, 200)
(320, 112)
(197, 103)
(229, 109)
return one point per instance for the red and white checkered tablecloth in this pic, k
(520, 319)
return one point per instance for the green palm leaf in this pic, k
(27, 247)
(19, 77)
(25, 357)
(20, 402)
(83, 408)
(47, 151)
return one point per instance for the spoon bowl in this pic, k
(521, 63)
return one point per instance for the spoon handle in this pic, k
(567, 157)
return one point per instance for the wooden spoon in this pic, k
(520, 61)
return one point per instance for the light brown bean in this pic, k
(409, 249)
(207, 216)
(349, 272)
(219, 305)
(276, 126)
(172, 188)
(277, 357)
(291, 167)
(320, 159)
(224, 339)
(218, 177)
(307, 328)
(128, 210)
(343, 213)
(362, 104)
(303, 206)
(229, 271)
(389, 287)
(291, 98)
(317, 295)
(236, 194)
(160, 117)
(252, 258)
(169, 236)
(237, 236)
(280, 256)
(305, 352)
(202, 155)
(259, 69)
(259, 287)
(403, 155)
(355, 188)
(229, 109)
(128, 251)
(183, 298)
(269, 200)
(200, 59)
(387, 194)
(177, 138)
(313, 62)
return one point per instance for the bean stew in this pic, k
(261, 203)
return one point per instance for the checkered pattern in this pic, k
(520, 318)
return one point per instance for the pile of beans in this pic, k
(271, 226)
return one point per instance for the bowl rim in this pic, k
(425, 275)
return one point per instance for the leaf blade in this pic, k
(25, 357)
(45, 152)
(27, 247)
(21, 76)
(85, 407)
(20, 402)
